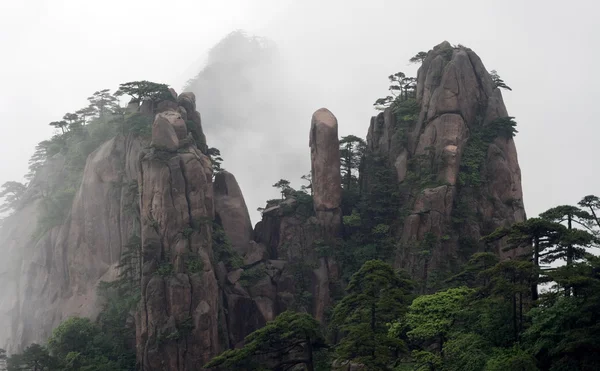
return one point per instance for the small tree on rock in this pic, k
(352, 150)
(102, 102)
(498, 82)
(215, 159)
(60, 125)
(141, 90)
(12, 192)
(418, 58)
(284, 187)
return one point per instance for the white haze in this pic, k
(335, 54)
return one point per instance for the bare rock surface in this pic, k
(47, 279)
(325, 160)
(232, 212)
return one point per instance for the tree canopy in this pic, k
(141, 90)
(289, 340)
(376, 295)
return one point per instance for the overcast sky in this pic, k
(55, 53)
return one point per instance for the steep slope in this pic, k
(49, 278)
(458, 171)
(177, 323)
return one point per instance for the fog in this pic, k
(333, 54)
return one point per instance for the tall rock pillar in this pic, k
(327, 199)
(325, 169)
(178, 319)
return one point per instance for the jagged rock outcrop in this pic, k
(433, 157)
(48, 278)
(178, 319)
(203, 293)
(187, 104)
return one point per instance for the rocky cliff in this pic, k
(53, 276)
(207, 278)
(459, 176)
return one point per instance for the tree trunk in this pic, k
(520, 311)
(569, 254)
(514, 310)
(536, 262)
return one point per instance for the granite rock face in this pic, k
(457, 100)
(179, 284)
(47, 278)
(232, 212)
(208, 279)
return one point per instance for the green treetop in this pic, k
(497, 81)
(12, 192)
(141, 90)
(287, 341)
(352, 150)
(376, 295)
(431, 317)
(418, 58)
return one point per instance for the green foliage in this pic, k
(35, 358)
(138, 124)
(215, 159)
(81, 134)
(431, 317)
(222, 248)
(565, 330)
(194, 265)
(352, 220)
(72, 335)
(284, 187)
(406, 111)
(76, 344)
(418, 58)
(511, 359)
(466, 352)
(165, 269)
(81, 344)
(252, 275)
(54, 210)
(352, 150)
(503, 127)
(141, 90)
(12, 192)
(475, 152)
(401, 88)
(426, 361)
(290, 339)
(497, 81)
(376, 295)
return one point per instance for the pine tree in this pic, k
(418, 58)
(537, 234)
(289, 340)
(376, 295)
(12, 192)
(352, 150)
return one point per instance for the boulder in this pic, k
(164, 136)
(188, 101)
